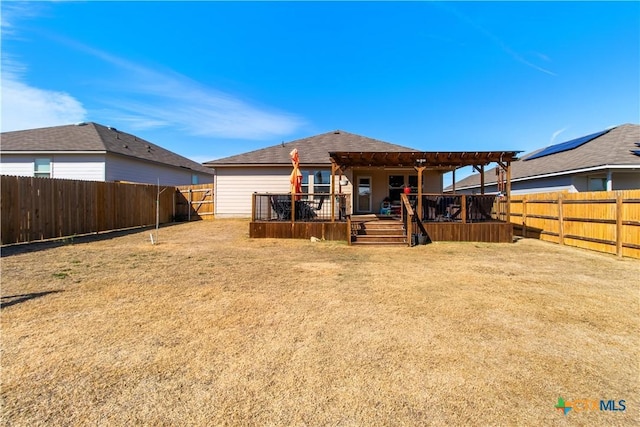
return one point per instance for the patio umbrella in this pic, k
(296, 175)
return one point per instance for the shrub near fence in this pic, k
(43, 208)
(605, 221)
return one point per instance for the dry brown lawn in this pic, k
(210, 327)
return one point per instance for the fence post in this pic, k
(560, 219)
(524, 216)
(619, 207)
(173, 216)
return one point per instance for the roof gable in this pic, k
(91, 136)
(312, 150)
(80, 137)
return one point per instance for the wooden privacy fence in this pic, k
(605, 221)
(44, 208)
(194, 202)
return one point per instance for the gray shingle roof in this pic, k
(312, 150)
(614, 148)
(93, 137)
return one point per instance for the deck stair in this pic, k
(381, 230)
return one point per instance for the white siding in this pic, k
(125, 169)
(91, 167)
(16, 165)
(86, 167)
(234, 188)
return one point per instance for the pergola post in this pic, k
(507, 168)
(420, 170)
(334, 168)
(480, 170)
(453, 180)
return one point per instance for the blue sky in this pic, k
(212, 79)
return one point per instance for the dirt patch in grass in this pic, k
(211, 327)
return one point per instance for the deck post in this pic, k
(463, 208)
(253, 206)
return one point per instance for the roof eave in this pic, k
(270, 165)
(161, 163)
(43, 152)
(554, 174)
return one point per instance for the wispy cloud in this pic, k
(496, 40)
(555, 135)
(26, 107)
(153, 97)
(146, 98)
(12, 11)
(23, 105)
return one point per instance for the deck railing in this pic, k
(463, 208)
(308, 207)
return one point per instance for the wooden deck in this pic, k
(493, 232)
(299, 230)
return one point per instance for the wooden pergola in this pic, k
(421, 161)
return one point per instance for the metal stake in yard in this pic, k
(157, 213)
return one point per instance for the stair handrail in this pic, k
(412, 218)
(407, 214)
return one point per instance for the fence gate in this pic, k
(194, 202)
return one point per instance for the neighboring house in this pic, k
(606, 160)
(92, 152)
(268, 170)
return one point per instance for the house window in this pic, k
(597, 184)
(397, 183)
(42, 168)
(316, 181)
(321, 180)
(194, 179)
(305, 181)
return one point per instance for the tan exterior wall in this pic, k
(432, 183)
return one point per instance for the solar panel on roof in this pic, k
(636, 152)
(568, 145)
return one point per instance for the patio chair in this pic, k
(320, 202)
(304, 210)
(281, 207)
